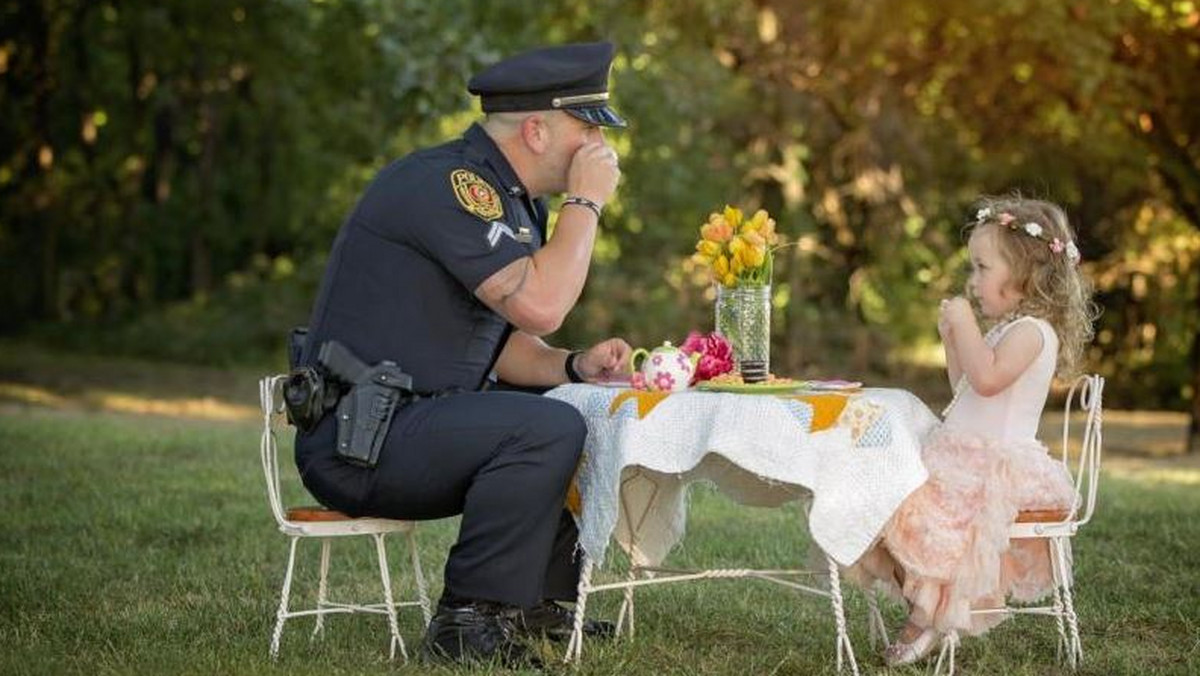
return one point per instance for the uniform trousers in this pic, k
(503, 460)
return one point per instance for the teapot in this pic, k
(666, 368)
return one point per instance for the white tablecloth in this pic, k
(758, 449)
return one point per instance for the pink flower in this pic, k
(664, 381)
(1006, 218)
(716, 354)
(1057, 246)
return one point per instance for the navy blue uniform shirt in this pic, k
(402, 273)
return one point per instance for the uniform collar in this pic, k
(484, 148)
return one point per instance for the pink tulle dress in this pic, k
(950, 536)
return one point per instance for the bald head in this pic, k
(503, 125)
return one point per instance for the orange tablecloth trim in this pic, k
(574, 500)
(827, 407)
(646, 401)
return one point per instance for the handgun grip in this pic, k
(341, 362)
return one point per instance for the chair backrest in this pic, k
(1087, 391)
(270, 396)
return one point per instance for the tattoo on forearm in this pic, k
(520, 282)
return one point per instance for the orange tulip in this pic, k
(717, 229)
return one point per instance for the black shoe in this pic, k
(476, 631)
(556, 623)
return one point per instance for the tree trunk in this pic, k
(202, 264)
(1193, 445)
(43, 218)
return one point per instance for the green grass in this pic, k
(137, 544)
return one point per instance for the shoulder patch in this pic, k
(475, 195)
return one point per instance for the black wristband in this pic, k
(569, 367)
(583, 202)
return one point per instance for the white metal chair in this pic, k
(1058, 527)
(325, 524)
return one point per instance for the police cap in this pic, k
(571, 78)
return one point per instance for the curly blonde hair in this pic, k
(1037, 243)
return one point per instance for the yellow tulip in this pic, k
(736, 244)
(753, 239)
(700, 259)
(754, 256)
(768, 231)
(729, 280)
(721, 266)
(707, 248)
(753, 223)
(736, 265)
(733, 216)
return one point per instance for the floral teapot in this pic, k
(666, 368)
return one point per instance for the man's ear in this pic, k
(535, 131)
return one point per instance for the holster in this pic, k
(365, 397)
(365, 413)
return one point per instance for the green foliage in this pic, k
(155, 153)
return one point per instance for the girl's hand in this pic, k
(943, 325)
(956, 311)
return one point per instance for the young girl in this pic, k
(946, 550)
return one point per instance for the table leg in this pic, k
(844, 649)
(575, 645)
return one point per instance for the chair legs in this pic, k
(1058, 554)
(324, 606)
(625, 615)
(422, 591)
(876, 629)
(1062, 608)
(282, 614)
(389, 606)
(322, 587)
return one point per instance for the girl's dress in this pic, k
(950, 536)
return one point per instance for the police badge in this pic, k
(475, 195)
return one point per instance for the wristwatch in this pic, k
(569, 367)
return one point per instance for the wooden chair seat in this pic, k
(1042, 515)
(312, 513)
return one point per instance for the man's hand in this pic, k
(608, 360)
(594, 172)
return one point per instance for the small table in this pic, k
(855, 454)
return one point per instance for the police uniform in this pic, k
(399, 285)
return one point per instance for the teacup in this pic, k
(665, 368)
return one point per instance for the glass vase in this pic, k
(743, 316)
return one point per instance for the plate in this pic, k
(832, 385)
(754, 388)
(618, 384)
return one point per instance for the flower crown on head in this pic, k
(1034, 230)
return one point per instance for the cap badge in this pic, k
(475, 195)
(560, 101)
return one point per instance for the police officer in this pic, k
(444, 267)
